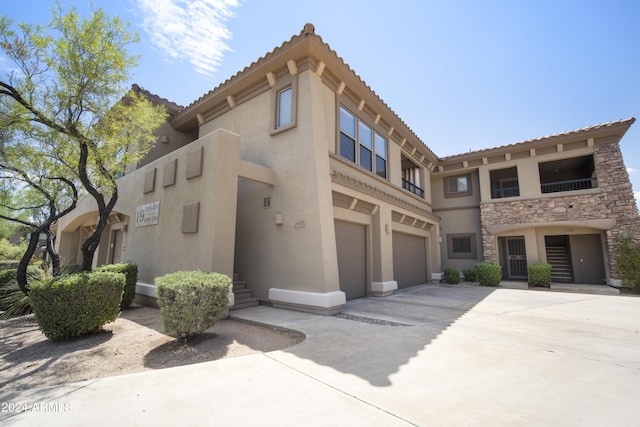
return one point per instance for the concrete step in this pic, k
(245, 303)
(242, 293)
(584, 288)
(239, 284)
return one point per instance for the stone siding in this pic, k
(614, 200)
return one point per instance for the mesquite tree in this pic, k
(68, 94)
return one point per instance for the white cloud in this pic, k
(189, 29)
(631, 170)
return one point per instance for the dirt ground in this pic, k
(135, 342)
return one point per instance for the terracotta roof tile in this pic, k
(628, 121)
(172, 107)
(307, 31)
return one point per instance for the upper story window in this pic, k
(457, 186)
(285, 107)
(577, 173)
(504, 183)
(362, 145)
(283, 104)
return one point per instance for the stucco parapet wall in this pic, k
(379, 189)
(315, 302)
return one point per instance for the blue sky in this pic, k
(463, 74)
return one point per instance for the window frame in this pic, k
(283, 84)
(359, 145)
(449, 194)
(473, 254)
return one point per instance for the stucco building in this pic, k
(295, 175)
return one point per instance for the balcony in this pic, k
(573, 174)
(504, 183)
(409, 186)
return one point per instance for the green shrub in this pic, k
(131, 273)
(71, 306)
(488, 273)
(628, 264)
(192, 301)
(13, 302)
(470, 275)
(539, 274)
(451, 276)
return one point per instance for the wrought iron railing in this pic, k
(410, 186)
(499, 193)
(570, 185)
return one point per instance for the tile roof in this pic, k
(172, 107)
(624, 122)
(307, 31)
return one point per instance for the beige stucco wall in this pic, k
(164, 247)
(299, 254)
(457, 215)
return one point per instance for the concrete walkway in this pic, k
(444, 355)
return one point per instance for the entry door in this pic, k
(116, 247)
(588, 261)
(351, 245)
(516, 258)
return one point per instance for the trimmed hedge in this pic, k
(470, 275)
(131, 273)
(67, 307)
(539, 274)
(192, 301)
(489, 273)
(451, 276)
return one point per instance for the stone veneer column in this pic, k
(613, 179)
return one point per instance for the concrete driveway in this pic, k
(428, 355)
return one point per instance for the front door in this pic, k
(588, 260)
(516, 258)
(116, 246)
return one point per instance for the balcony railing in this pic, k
(570, 185)
(410, 186)
(499, 193)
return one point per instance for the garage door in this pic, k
(409, 259)
(352, 258)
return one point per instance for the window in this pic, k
(462, 246)
(285, 109)
(457, 186)
(360, 144)
(283, 104)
